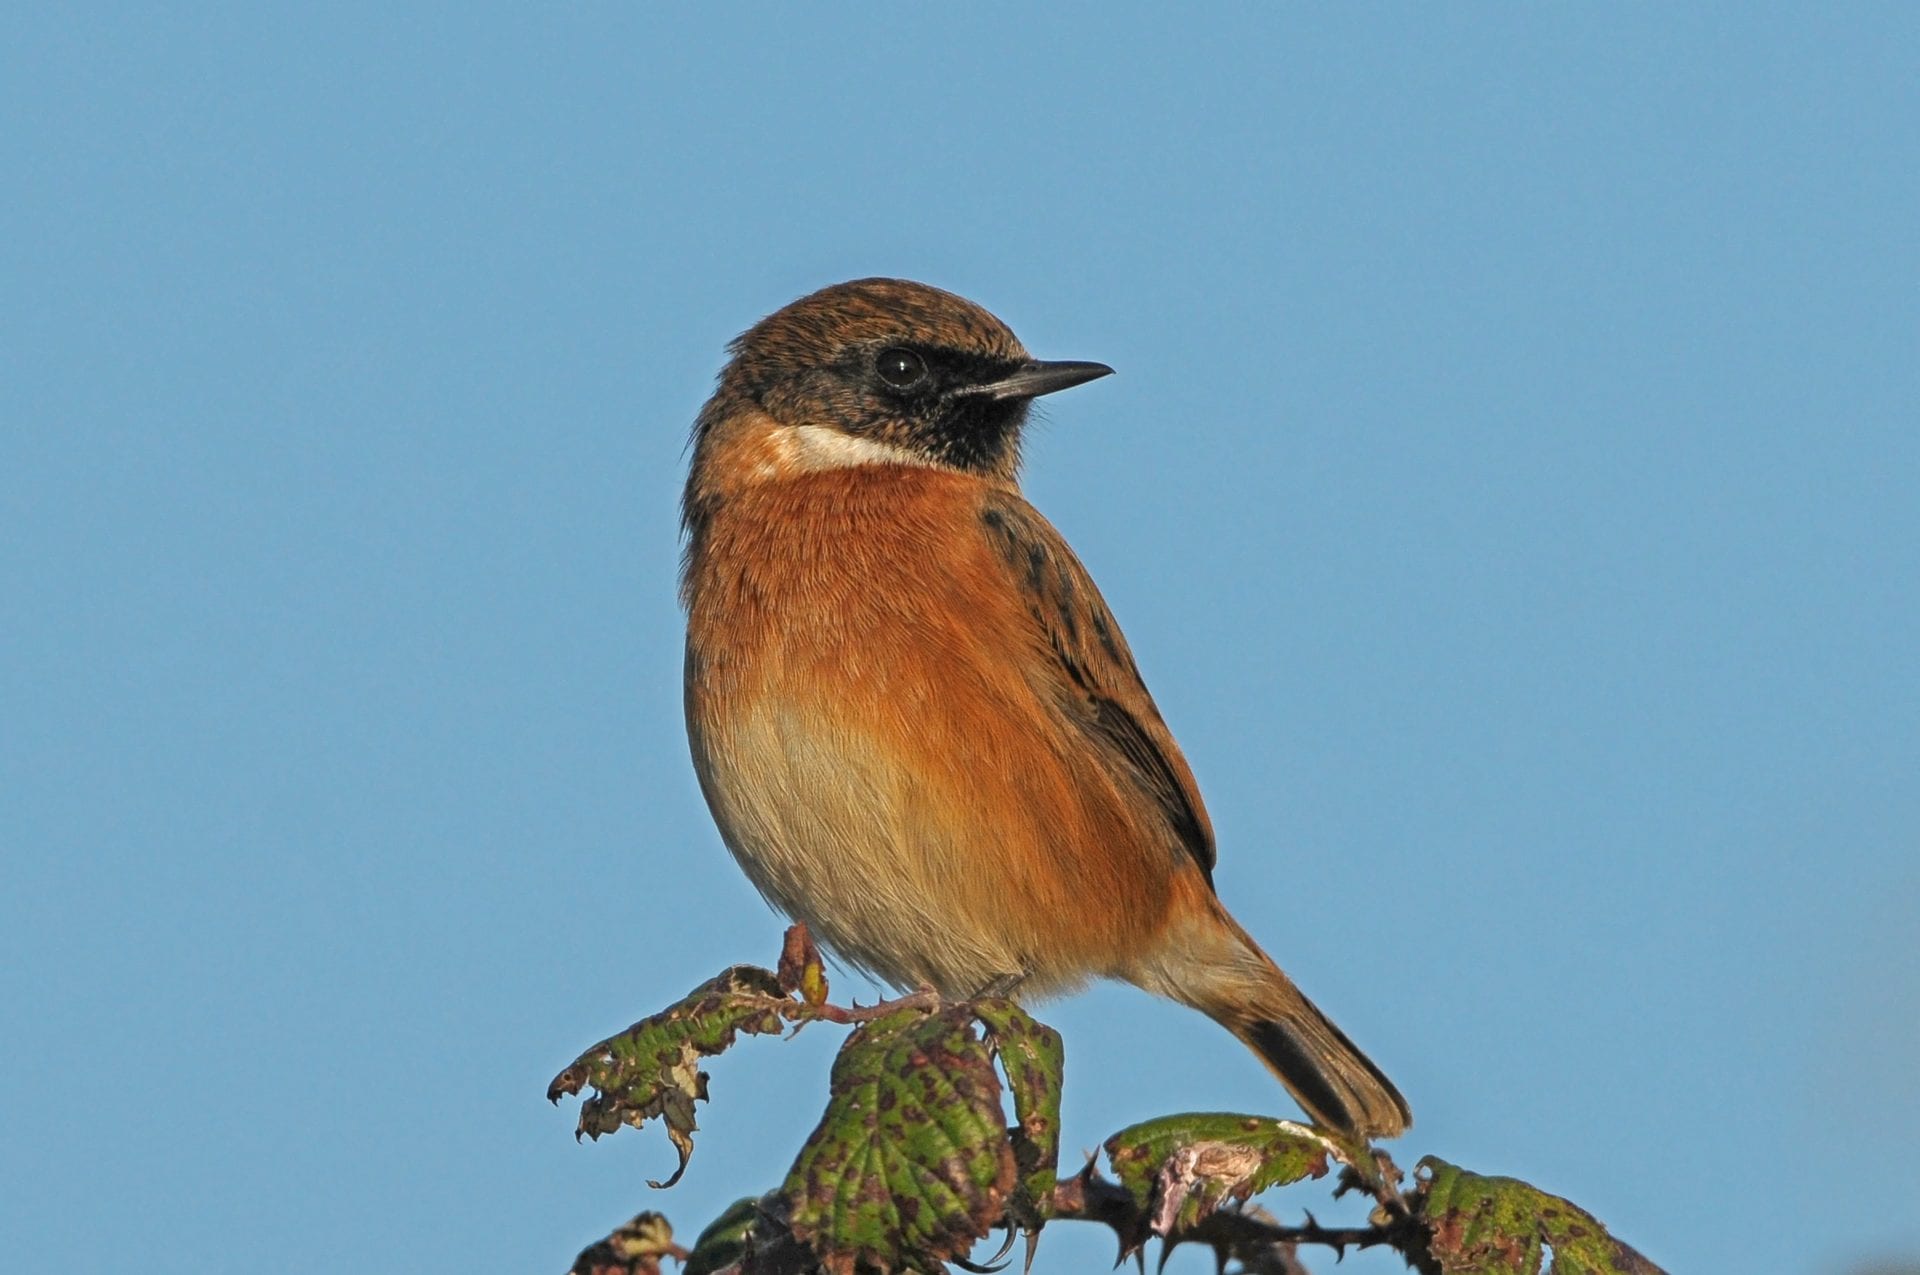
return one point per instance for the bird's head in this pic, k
(890, 371)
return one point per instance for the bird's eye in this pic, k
(901, 369)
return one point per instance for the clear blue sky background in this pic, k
(1511, 488)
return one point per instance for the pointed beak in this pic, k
(1035, 378)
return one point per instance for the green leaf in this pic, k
(1179, 1169)
(725, 1240)
(1032, 1055)
(651, 1070)
(911, 1163)
(1501, 1226)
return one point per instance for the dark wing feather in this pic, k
(1101, 692)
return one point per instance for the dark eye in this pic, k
(901, 369)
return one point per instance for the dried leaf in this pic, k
(911, 1163)
(634, 1249)
(651, 1070)
(1180, 1169)
(1501, 1226)
(801, 969)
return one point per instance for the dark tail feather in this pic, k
(1222, 972)
(1325, 1072)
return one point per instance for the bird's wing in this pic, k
(1099, 688)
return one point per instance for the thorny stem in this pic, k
(1373, 1171)
(800, 973)
(1088, 1197)
(924, 998)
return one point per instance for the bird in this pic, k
(913, 717)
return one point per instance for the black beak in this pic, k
(1034, 378)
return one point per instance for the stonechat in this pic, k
(914, 718)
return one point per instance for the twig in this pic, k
(925, 998)
(1089, 1197)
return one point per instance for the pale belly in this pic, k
(880, 856)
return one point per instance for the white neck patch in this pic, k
(818, 447)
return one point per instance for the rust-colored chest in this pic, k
(855, 584)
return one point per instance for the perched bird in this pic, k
(916, 722)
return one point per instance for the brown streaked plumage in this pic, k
(916, 722)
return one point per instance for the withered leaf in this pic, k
(634, 1249)
(651, 1070)
(801, 969)
(1179, 1169)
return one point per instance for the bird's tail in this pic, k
(1223, 973)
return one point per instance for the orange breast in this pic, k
(873, 716)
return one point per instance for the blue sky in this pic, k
(1509, 488)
